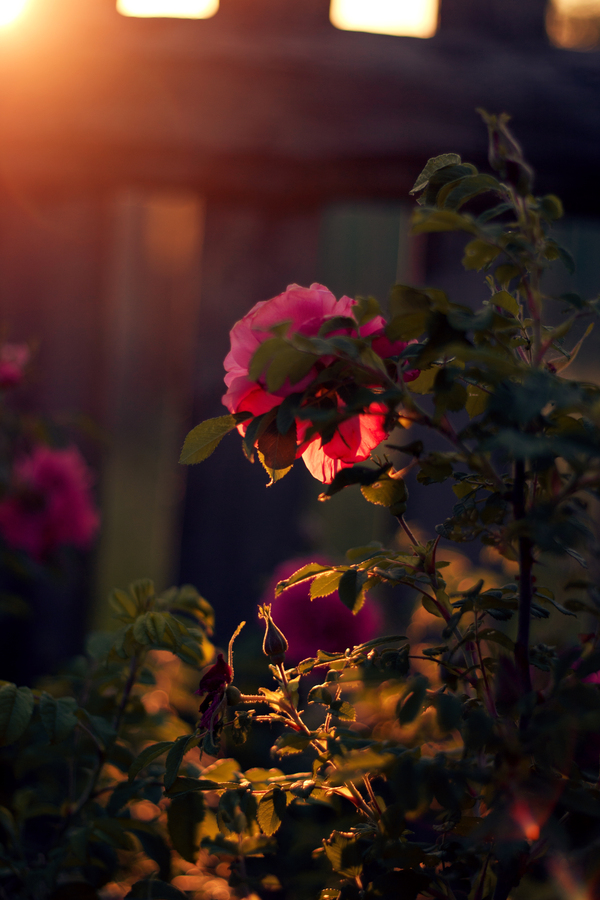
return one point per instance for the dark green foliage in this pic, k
(460, 765)
(64, 812)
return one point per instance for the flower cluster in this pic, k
(305, 311)
(49, 503)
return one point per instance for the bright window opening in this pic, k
(178, 9)
(11, 10)
(413, 18)
(574, 24)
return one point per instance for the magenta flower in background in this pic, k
(306, 310)
(320, 624)
(13, 359)
(49, 503)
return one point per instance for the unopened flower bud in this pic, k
(275, 643)
(233, 695)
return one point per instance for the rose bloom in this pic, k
(321, 624)
(13, 359)
(306, 309)
(49, 503)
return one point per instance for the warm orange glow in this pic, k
(574, 24)
(577, 7)
(523, 816)
(11, 10)
(180, 9)
(414, 18)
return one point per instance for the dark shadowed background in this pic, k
(160, 176)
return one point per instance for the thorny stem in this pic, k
(491, 704)
(292, 711)
(102, 752)
(408, 531)
(525, 581)
(230, 651)
(372, 796)
(133, 667)
(293, 714)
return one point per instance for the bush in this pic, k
(460, 763)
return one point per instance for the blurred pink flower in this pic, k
(306, 310)
(320, 624)
(49, 503)
(13, 359)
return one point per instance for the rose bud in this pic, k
(233, 695)
(275, 643)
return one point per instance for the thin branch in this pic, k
(230, 652)
(525, 580)
(408, 532)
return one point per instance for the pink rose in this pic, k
(49, 503)
(321, 624)
(306, 310)
(13, 359)
(353, 441)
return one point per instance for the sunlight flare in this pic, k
(180, 9)
(11, 10)
(413, 18)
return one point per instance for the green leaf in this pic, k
(350, 589)
(16, 708)
(497, 637)
(153, 889)
(479, 254)
(424, 383)
(407, 326)
(362, 475)
(288, 363)
(263, 356)
(325, 584)
(123, 604)
(493, 212)
(477, 401)
(345, 854)
(288, 744)
(58, 716)
(147, 756)
(270, 811)
(427, 220)
(432, 166)
(407, 301)
(505, 273)
(301, 575)
(175, 756)
(185, 785)
(551, 207)
(506, 301)
(150, 628)
(387, 491)
(366, 308)
(320, 694)
(286, 412)
(409, 707)
(343, 710)
(275, 475)
(567, 260)
(454, 194)
(205, 438)
(278, 450)
(183, 815)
